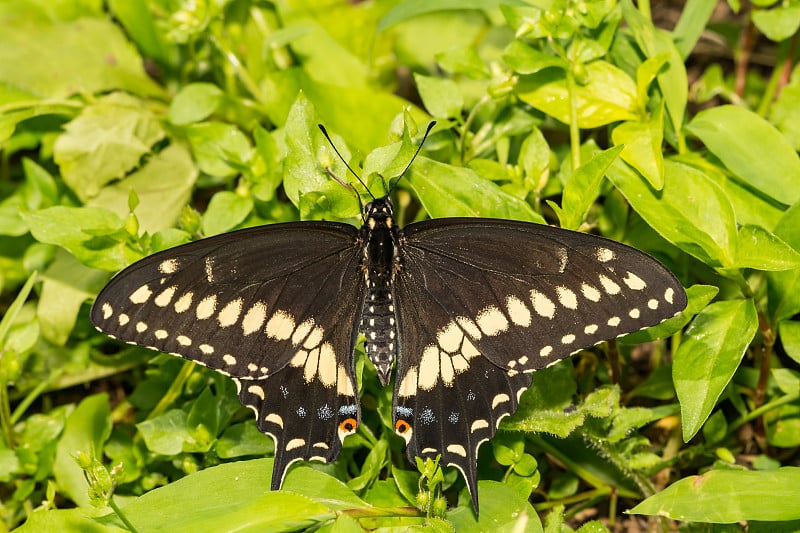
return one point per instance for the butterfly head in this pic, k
(379, 213)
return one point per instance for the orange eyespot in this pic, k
(402, 427)
(348, 425)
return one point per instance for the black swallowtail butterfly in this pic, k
(468, 308)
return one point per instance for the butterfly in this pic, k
(462, 309)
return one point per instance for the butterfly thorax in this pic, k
(380, 261)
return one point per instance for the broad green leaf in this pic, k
(448, 191)
(525, 59)
(228, 497)
(194, 102)
(87, 428)
(410, 9)
(65, 520)
(672, 81)
(104, 142)
(167, 433)
(163, 184)
(642, 150)
(789, 331)
(582, 189)
(66, 285)
(502, 509)
(693, 19)
(542, 407)
(218, 147)
(752, 148)
(777, 23)
(226, 210)
(609, 95)
(28, 108)
(783, 288)
(463, 60)
(691, 211)
(441, 96)
(758, 248)
(322, 488)
(728, 496)
(243, 439)
(710, 353)
(85, 232)
(57, 60)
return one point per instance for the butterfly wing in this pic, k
(482, 303)
(259, 305)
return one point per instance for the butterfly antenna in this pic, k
(347, 185)
(427, 131)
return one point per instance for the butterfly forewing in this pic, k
(482, 303)
(259, 305)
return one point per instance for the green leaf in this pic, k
(84, 232)
(87, 428)
(693, 19)
(699, 297)
(525, 59)
(58, 60)
(104, 142)
(609, 95)
(226, 210)
(228, 497)
(777, 23)
(441, 96)
(582, 189)
(758, 248)
(167, 433)
(195, 102)
(503, 509)
(243, 439)
(642, 150)
(409, 9)
(218, 147)
(710, 353)
(752, 148)
(65, 520)
(789, 331)
(727, 496)
(141, 26)
(163, 184)
(448, 191)
(785, 111)
(691, 211)
(462, 60)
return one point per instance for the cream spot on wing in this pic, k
(312, 365)
(468, 350)
(183, 340)
(295, 443)
(470, 327)
(206, 307)
(590, 293)
(107, 310)
(408, 385)
(302, 331)
(257, 390)
(170, 266)
(608, 285)
(209, 267)
(280, 325)
(566, 297)
(545, 351)
(500, 398)
(141, 295)
(460, 363)
(141, 327)
(568, 339)
(344, 387)
(634, 282)
(123, 319)
(457, 449)
(447, 370)
(543, 305)
(207, 349)
(254, 318)
(229, 359)
(450, 337)
(604, 255)
(429, 367)
(160, 334)
(327, 365)
(591, 329)
(614, 321)
(184, 302)
(518, 312)
(491, 321)
(479, 424)
(523, 360)
(299, 358)
(634, 313)
(314, 338)
(652, 304)
(274, 418)
(668, 295)
(230, 313)
(165, 297)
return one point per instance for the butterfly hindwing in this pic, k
(482, 303)
(259, 305)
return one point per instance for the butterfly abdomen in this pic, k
(378, 318)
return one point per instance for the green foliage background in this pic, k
(130, 126)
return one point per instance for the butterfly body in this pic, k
(466, 308)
